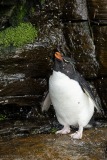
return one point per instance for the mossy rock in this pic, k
(18, 36)
(2, 117)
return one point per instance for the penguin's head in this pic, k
(65, 60)
(62, 63)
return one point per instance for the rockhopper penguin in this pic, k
(71, 96)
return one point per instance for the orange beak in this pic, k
(58, 55)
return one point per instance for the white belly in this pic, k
(71, 104)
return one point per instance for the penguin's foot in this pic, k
(65, 130)
(76, 135)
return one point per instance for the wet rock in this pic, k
(51, 146)
(8, 3)
(75, 10)
(25, 63)
(23, 75)
(5, 14)
(80, 42)
(67, 10)
(14, 12)
(6, 132)
(52, 34)
(23, 87)
(101, 85)
(100, 38)
(72, 39)
(54, 5)
(26, 11)
(11, 129)
(97, 9)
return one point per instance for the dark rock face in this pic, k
(75, 10)
(101, 84)
(63, 25)
(23, 76)
(82, 48)
(100, 34)
(97, 9)
(67, 10)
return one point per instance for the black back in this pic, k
(67, 67)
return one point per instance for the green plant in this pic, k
(53, 130)
(2, 117)
(32, 11)
(18, 36)
(42, 1)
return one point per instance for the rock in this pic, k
(101, 85)
(14, 12)
(23, 77)
(67, 10)
(51, 146)
(73, 39)
(23, 87)
(97, 9)
(75, 10)
(5, 14)
(8, 3)
(52, 34)
(80, 42)
(100, 38)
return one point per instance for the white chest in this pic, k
(62, 88)
(67, 97)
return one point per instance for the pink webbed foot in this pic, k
(65, 130)
(78, 134)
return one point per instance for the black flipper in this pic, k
(88, 91)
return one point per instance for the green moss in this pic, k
(32, 11)
(53, 130)
(18, 36)
(2, 117)
(42, 1)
